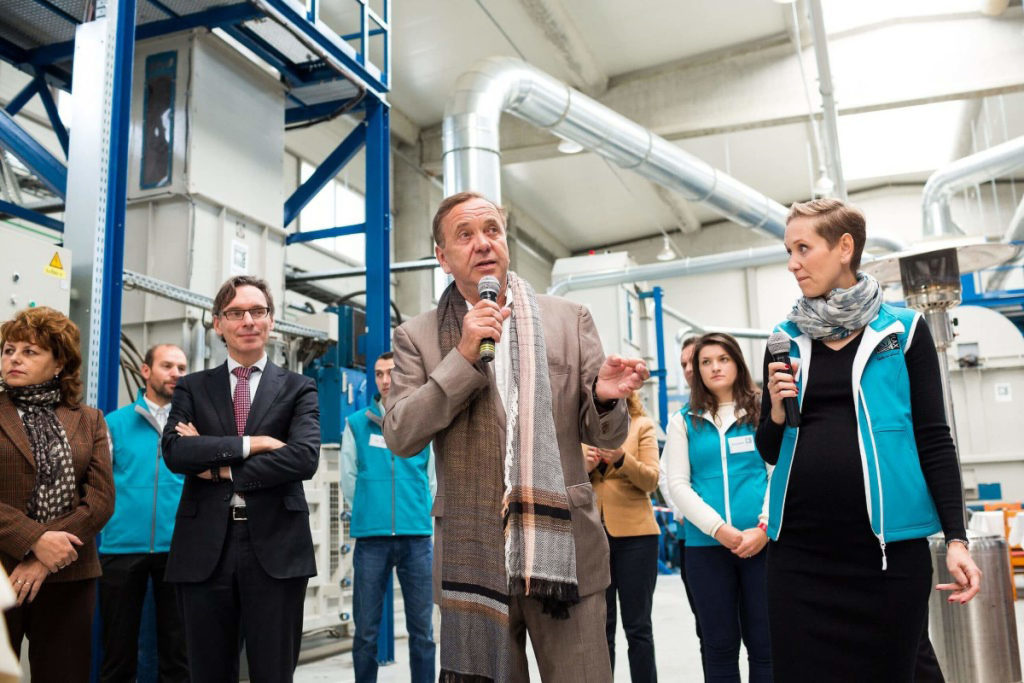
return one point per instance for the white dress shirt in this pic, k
(159, 412)
(254, 383)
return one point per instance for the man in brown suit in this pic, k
(432, 391)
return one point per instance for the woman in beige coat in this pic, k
(624, 479)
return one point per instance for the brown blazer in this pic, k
(428, 391)
(624, 490)
(94, 496)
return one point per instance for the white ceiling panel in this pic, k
(629, 36)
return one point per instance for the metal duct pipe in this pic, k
(828, 102)
(472, 155)
(962, 173)
(742, 258)
(471, 147)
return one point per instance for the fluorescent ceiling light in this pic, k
(569, 147)
(667, 253)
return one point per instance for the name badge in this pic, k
(741, 444)
(377, 441)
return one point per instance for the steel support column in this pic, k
(117, 188)
(659, 341)
(378, 235)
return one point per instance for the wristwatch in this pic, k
(967, 544)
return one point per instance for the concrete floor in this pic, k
(675, 643)
(674, 637)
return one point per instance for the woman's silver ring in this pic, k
(20, 581)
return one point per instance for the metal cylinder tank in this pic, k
(976, 642)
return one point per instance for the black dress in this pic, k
(834, 614)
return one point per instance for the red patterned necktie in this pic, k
(242, 400)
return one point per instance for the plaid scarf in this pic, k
(54, 493)
(840, 312)
(513, 491)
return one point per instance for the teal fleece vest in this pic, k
(899, 505)
(725, 474)
(146, 492)
(392, 493)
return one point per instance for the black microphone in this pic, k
(778, 347)
(488, 287)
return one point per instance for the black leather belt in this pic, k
(239, 514)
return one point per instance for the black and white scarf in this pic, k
(54, 492)
(840, 312)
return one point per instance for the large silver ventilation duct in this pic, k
(962, 173)
(742, 258)
(471, 147)
(472, 159)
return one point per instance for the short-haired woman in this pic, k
(719, 482)
(623, 480)
(56, 493)
(870, 472)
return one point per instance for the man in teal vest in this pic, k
(390, 498)
(134, 544)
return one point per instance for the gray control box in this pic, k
(33, 272)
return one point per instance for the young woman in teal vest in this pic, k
(720, 483)
(870, 472)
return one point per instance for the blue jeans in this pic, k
(373, 561)
(731, 600)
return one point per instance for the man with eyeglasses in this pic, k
(247, 434)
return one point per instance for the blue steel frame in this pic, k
(47, 168)
(117, 187)
(31, 216)
(661, 372)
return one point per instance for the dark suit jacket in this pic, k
(285, 407)
(94, 495)
(428, 391)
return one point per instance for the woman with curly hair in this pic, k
(56, 493)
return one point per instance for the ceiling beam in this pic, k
(552, 19)
(886, 66)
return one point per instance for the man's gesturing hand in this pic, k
(619, 377)
(483, 321)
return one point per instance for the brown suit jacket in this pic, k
(624, 490)
(94, 495)
(428, 391)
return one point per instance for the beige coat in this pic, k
(428, 391)
(624, 491)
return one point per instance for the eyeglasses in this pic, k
(236, 314)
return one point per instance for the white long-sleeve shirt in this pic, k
(675, 461)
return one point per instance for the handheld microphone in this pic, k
(488, 287)
(778, 347)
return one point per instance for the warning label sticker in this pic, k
(55, 267)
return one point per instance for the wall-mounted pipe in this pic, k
(962, 173)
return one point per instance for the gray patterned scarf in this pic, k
(54, 492)
(512, 491)
(840, 312)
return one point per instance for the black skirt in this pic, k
(835, 615)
